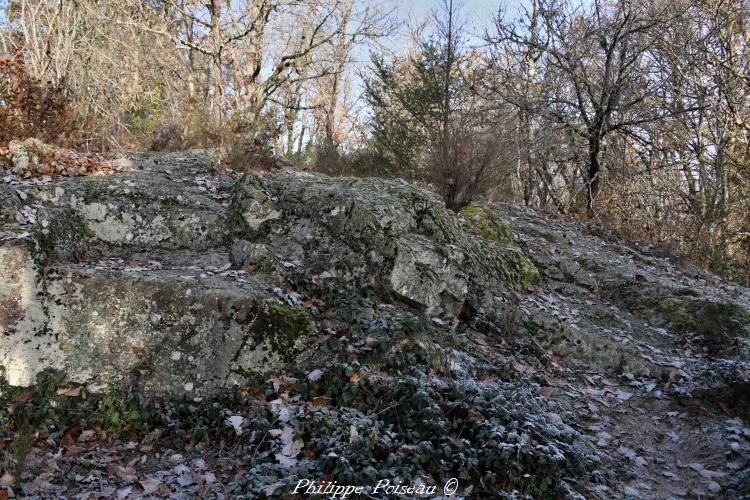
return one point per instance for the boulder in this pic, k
(170, 332)
(174, 277)
(379, 232)
(122, 281)
(722, 323)
(134, 210)
(26, 155)
(611, 307)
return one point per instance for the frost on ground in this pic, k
(171, 329)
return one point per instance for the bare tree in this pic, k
(597, 71)
(50, 33)
(703, 55)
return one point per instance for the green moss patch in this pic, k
(721, 324)
(485, 223)
(282, 326)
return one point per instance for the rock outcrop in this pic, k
(620, 309)
(163, 276)
(125, 279)
(360, 315)
(170, 275)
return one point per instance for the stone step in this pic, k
(159, 331)
(131, 211)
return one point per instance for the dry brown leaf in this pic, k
(69, 391)
(315, 402)
(24, 396)
(476, 414)
(124, 473)
(87, 435)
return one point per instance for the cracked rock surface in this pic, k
(107, 276)
(615, 372)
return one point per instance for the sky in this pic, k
(477, 12)
(478, 15)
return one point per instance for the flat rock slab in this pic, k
(165, 276)
(123, 281)
(162, 332)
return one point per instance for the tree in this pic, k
(428, 120)
(597, 73)
(705, 59)
(366, 23)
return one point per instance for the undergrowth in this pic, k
(381, 399)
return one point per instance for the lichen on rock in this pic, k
(486, 223)
(383, 323)
(120, 272)
(377, 231)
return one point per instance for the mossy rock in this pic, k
(722, 324)
(9, 203)
(485, 223)
(283, 326)
(519, 271)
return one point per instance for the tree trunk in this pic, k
(216, 77)
(330, 124)
(594, 170)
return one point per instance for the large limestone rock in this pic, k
(170, 331)
(147, 208)
(24, 348)
(165, 276)
(175, 277)
(385, 233)
(124, 280)
(611, 307)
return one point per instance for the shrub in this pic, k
(29, 108)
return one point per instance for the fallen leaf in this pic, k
(707, 474)
(124, 473)
(627, 452)
(236, 422)
(149, 485)
(24, 396)
(521, 368)
(476, 414)
(285, 461)
(124, 492)
(318, 401)
(70, 391)
(185, 479)
(545, 391)
(87, 435)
